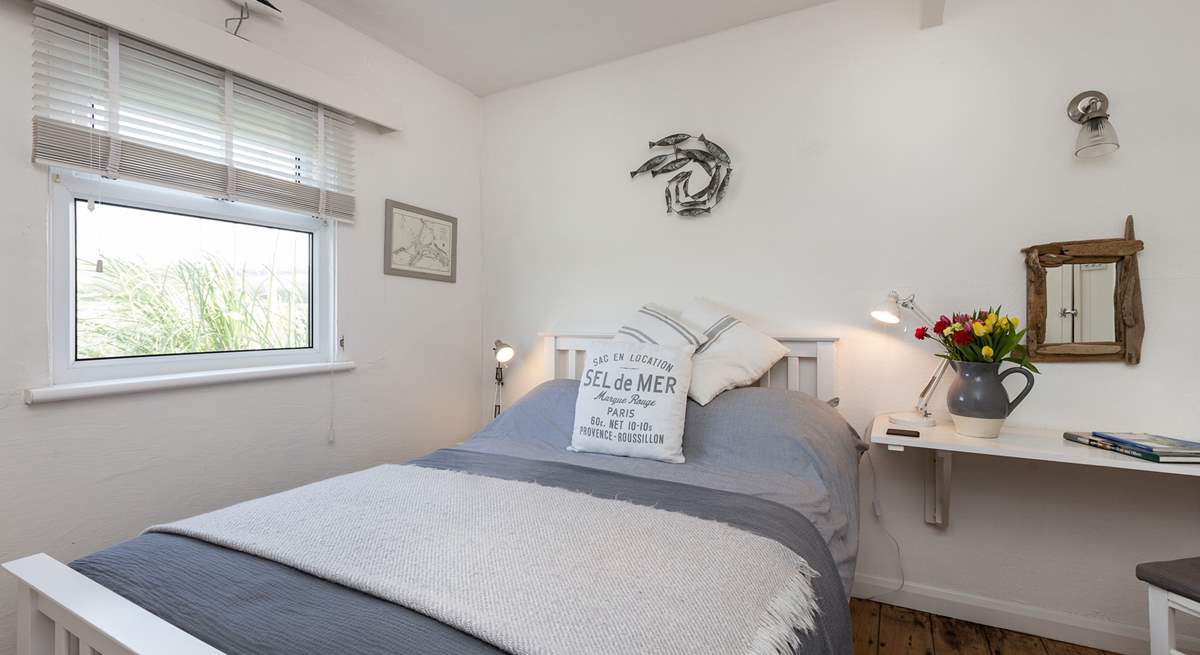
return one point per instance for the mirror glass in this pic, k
(1080, 303)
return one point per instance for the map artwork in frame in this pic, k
(419, 243)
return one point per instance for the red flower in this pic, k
(921, 332)
(963, 337)
(941, 325)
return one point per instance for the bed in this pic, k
(763, 463)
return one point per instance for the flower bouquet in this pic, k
(975, 345)
(986, 336)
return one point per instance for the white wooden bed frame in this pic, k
(810, 365)
(62, 612)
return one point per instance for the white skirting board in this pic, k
(1054, 624)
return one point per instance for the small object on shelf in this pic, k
(1152, 443)
(897, 432)
(1104, 444)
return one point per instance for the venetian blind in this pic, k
(112, 104)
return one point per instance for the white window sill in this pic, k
(59, 392)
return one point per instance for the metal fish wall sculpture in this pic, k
(711, 158)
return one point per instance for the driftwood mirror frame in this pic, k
(1127, 298)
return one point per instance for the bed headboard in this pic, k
(809, 366)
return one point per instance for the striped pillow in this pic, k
(733, 355)
(653, 324)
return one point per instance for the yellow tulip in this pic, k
(1015, 321)
(991, 319)
(1004, 322)
(980, 329)
(988, 352)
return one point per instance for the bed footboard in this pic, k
(62, 612)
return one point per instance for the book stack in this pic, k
(1150, 447)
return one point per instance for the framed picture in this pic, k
(419, 243)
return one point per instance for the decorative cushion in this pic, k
(632, 401)
(654, 324)
(733, 355)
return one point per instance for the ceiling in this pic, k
(492, 45)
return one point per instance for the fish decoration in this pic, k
(680, 177)
(698, 155)
(680, 184)
(716, 150)
(649, 165)
(721, 188)
(670, 166)
(670, 140)
(708, 188)
(711, 158)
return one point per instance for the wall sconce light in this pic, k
(504, 354)
(1097, 136)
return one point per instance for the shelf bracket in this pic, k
(937, 488)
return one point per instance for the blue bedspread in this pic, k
(245, 605)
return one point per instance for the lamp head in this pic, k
(504, 352)
(1097, 137)
(889, 310)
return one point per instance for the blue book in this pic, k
(1152, 443)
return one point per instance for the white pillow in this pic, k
(734, 355)
(632, 401)
(654, 324)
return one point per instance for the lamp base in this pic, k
(911, 420)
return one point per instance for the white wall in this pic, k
(870, 156)
(79, 476)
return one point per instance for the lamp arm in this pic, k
(910, 303)
(930, 387)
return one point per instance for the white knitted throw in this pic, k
(529, 568)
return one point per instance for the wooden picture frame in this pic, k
(419, 243)
(1130, 322)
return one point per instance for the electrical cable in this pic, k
(877, 507)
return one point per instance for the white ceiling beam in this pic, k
(933, 12)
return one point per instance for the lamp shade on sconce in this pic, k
(888, 311)
(1097, 137)
(504, 352)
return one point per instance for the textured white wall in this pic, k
(76, 477)
(870, 156)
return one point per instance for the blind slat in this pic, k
(165, 118)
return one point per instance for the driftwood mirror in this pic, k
(1085, 300)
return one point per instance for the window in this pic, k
(149, 281)
(193, 213)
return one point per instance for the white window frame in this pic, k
(67, 186)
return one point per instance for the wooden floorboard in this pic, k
(958, 637)
(904, 632)
(1060, 648)
(889, 630)
(1004, 642)
(864, 618)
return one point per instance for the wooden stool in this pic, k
(1174, 587)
